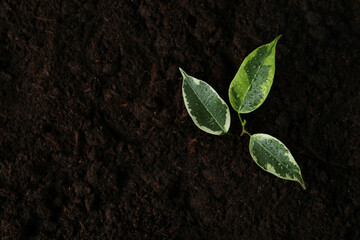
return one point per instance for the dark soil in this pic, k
(96, 143)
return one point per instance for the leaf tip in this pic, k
(277, 38)
(183, 73)
(302, 184)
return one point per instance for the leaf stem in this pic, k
(243, 123)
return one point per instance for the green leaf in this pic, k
(208, 111)
(274, 157)
(252, 83)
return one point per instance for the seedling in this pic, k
(248, 90)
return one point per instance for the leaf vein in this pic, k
(273, 155)
(254, 77)
(206, 108)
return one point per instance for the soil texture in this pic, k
(96, 143)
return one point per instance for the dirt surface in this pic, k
(96, 143)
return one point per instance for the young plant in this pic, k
(247, 91)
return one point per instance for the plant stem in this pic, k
(243, 123)
(245, 132)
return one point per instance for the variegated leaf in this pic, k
(208, 111)
(252, 83)
(274, 157)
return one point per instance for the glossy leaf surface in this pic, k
(208, 111)
(274, 157)
(252, 83)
